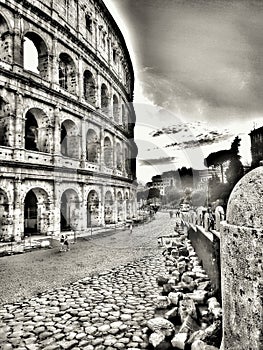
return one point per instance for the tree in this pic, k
(186, 176)
(235, 170)
(199, 198)
(154, 193)
(218, 159)
(172, 195)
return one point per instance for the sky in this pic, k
(198, 77)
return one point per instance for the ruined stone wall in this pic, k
(79, 50)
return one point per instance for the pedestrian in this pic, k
(66, 243)
(131, 228)
(62, 239)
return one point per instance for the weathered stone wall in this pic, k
(208, 251)
(241, 262)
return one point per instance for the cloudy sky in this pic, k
(199, 77)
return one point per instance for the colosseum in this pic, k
(67, 148)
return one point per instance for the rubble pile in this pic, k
(188, 315)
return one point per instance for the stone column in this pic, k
(115, 206)
(102, 205)
(114, 161)
(57, 128)
(17, 42)
(80, 77)
(18, 224)
(241, 265)
(56, 212)
(19, 127)
(102, 135)
(54, 63)
(84, 141)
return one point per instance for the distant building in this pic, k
(256, 137)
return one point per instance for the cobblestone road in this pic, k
(105, 310)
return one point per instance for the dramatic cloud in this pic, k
(191, 135)
(203, 60)
(157, 161)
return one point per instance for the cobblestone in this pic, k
(103, 310)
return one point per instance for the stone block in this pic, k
(175, 297)
(189, 325)
(156, 338)
(179, 340)
(162, 302)
(187, 307)
(160, 324)
(171, 313)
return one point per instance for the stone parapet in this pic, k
(241, 265)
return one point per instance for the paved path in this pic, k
(105, 311)
(108, 309)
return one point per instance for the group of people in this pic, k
(64, 243)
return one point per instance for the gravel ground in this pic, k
(26, 275)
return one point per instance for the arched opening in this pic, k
(108, 208)
(35, 54)
(38, 134)
(92, 146)
(89, 87)
(67, 73)
(69, 210)
(108, 160)
(88, 21)
(118, 156)
(104, 99)
(31, 132)
(4, 217)
(4, 122)
(120, 207)
(93, 209)
(36, 212)
(69, 139)
(116, 108)
(5, 41)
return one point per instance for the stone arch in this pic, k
(69, 210)
(92, 146)
(108, 159)
(67, 73)
(40, 64)
(69, 139)
(116, 110)
(89, 87)
(105, 100)
(38, 133)
(120, 213)
(5, 41)
(119, 156)
(36, 212)
(93, 209)
(108, 208)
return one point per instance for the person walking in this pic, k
(66, 243)
(62, 239)
(131, 227)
